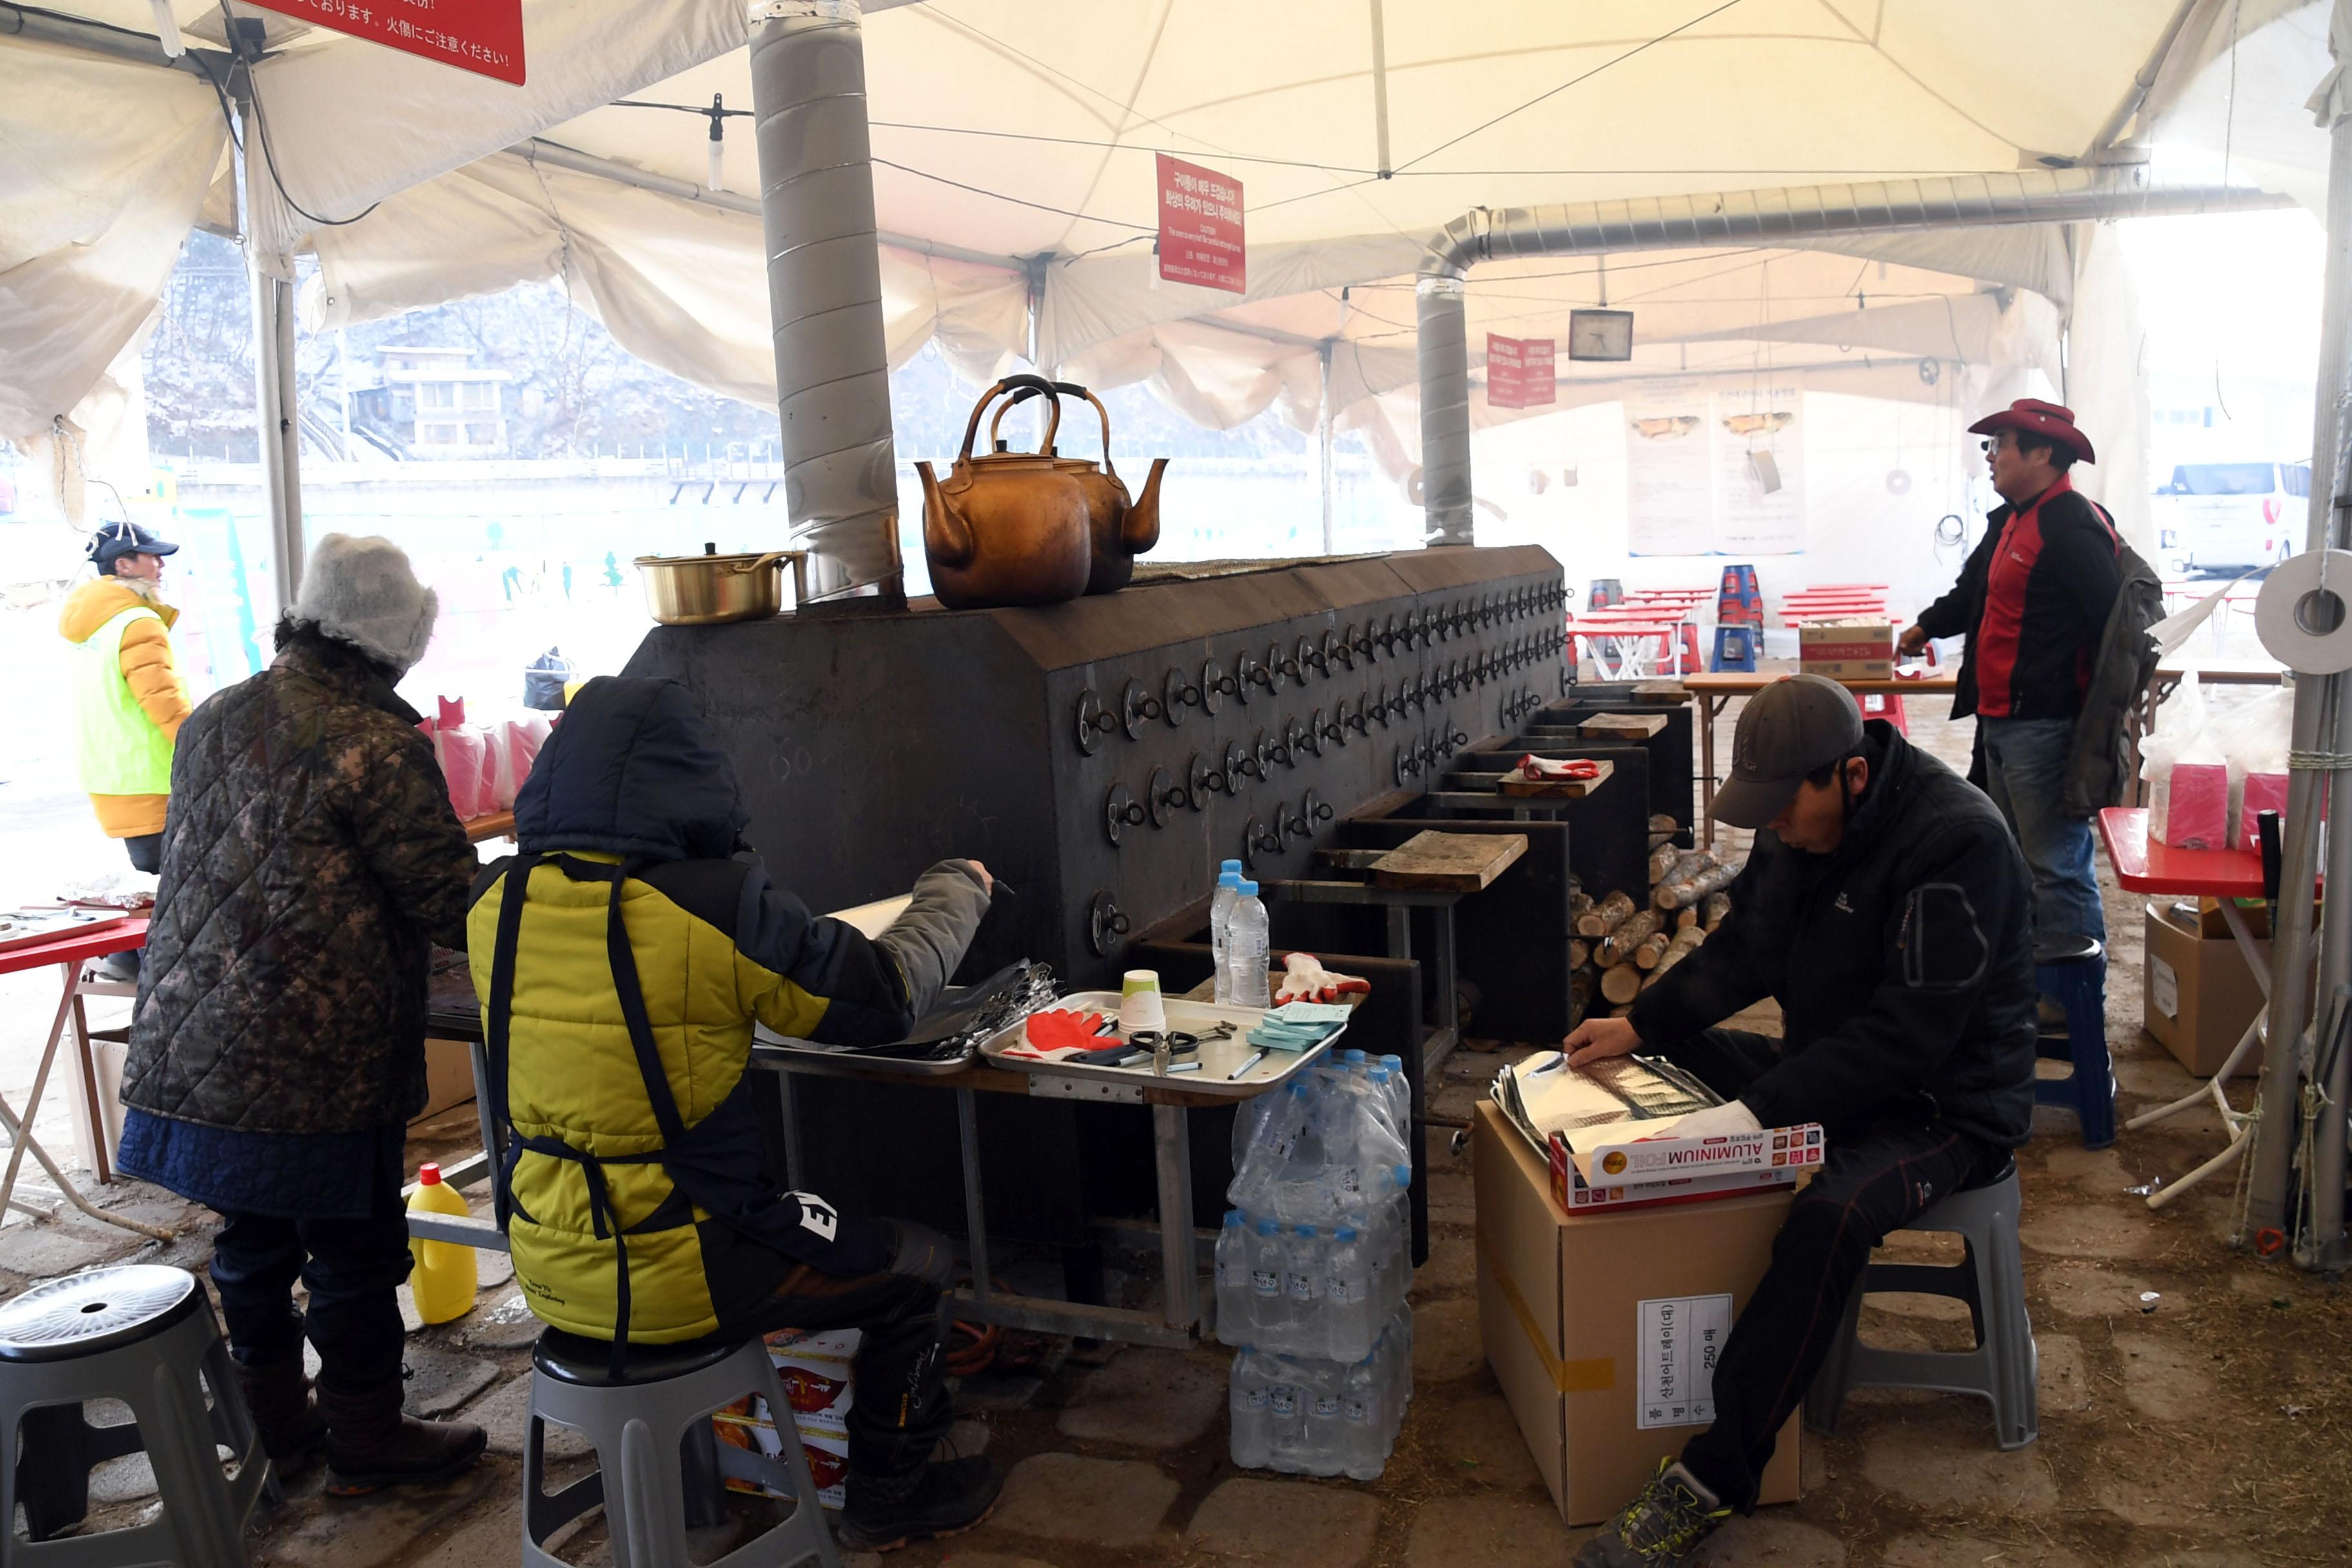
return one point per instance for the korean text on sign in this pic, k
(1519, 372)
(1682, 1338)
(1200, 227)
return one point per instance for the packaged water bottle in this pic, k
(1232, 1279)
(1327, 1421)
(1302, 1283)
(1264, 1136)
(1303, 1191)
(1347, 1302)
(1401, 1378)
(1246, 949)
(1400, 1093)
(1252, 1403)
(1287, 1415)
(1269, 1316)
(1355, 1063)
(1365, 1414)
(1221, 914)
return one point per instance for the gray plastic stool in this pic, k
(144, 1334)
(639, 1425)
(1991, 1280)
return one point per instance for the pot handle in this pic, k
(770, 559)
(1031, 385)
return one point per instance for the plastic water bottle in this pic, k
(1232, 1279)
(1355, 1062)
(1269, 1309)
(1346, 1301)
(1399, 1094)
(1246, 949)
(1302, 1284)
(1286, 1414)
(1221, 914)
(1365, 1450)
(1251, 1400)
(1327, 1422)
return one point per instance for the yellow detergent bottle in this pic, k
(444, 1278)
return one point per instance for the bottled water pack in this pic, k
(1317, 1418)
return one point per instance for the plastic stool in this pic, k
(1886, 705)
(2073, 970)
(1735, 647)
(143, 1334)
(648, 1426)
(1991, 1280)
(1605, 592)
(1687, 660)
(1737, 601)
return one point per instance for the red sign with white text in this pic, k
(484, 36)
(1519, 372)
(1200, 227)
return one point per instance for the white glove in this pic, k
(1719, 1122)
(1306, 980)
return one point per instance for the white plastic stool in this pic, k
(144, 1334)
(638, 1424)
(2002, 1367)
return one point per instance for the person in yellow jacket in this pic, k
(128, 696)
(622, 957)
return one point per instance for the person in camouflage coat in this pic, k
(278, 1045)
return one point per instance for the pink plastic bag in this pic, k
(2263, 791)
(2198, 815)
(461, 753)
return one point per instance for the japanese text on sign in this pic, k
(1682, 1338)
(1200, 227)
(1519, 372)
(484, 36)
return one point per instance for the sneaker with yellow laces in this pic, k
(1663, 1528)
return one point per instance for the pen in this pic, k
(1242, 1070)
(1185, 1067)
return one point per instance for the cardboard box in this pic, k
(1847, 651)
(448, 1075)
(1597, 1325)
(815, 1370)
(2210, 922)
(2198, 995)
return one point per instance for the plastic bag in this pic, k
(2184, 735)
(2255, 741)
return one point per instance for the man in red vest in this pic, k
(2033, 602)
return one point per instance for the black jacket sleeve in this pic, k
(1954, 615)
(1731, 970)
(1941, 939)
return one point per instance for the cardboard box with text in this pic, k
(1847, 651)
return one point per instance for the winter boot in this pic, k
(293, 1428)
(371, 1444)
(946, 1498)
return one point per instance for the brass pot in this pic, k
(710, 589)
(1006, 527)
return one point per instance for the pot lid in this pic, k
(710, 556)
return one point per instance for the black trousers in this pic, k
(146, 852)
(901, 1407)
(352, 1267)
(1873, 1180)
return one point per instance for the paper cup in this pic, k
(1140, 1004)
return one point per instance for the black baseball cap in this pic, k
(1787, 730)
(115, 540)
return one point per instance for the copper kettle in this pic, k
(1122, 529)
(1006, 528)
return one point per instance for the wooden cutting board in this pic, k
(1554, 789)
(1449, 862)
(1642, 724)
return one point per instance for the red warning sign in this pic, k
(1519, 372)
(484, 36)
(1200, 227)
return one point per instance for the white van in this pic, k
(2230, 517)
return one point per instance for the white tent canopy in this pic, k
(1018, 139)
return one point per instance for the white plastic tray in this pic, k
(1218, 1058)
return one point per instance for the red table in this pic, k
(2227, 875)
(70, 955)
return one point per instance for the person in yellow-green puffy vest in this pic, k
(128, 696)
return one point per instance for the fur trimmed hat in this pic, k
(361, 591)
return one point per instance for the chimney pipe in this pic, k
(825, 297)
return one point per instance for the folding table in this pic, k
(71, 955)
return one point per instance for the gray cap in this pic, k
(1786, 730)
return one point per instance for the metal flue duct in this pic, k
(1731, 217)
(824, 295)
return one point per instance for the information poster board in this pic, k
(1519, 372)
(484, 36)
(1716, 468)
(1200, 239)
(1669, 472)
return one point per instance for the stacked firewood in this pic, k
(1621, 948)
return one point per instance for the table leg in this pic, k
(975, 1212)
(1708, 707)
(1400, 947)
(488, 1123)
(40, 1081)
(22, 1137)
(82, 1068)
(1178, 1270)
(2240, 1123)
(792, 1167)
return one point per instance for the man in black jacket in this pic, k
(1883, 907)
(2033, 602)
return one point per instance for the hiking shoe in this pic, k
(1663, 1528)
(945, 1497)
(372, 1444)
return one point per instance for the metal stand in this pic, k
(2240, 1123)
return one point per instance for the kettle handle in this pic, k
(1062, 389)
(1032, 386)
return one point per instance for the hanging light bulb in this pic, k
(167, 29)
(717, 140)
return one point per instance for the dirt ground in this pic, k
(2206, 1426)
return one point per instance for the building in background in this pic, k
(435, 403)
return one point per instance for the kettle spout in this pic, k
(947, 536)
(1139, 531)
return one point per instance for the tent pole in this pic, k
(2291, 1003)
(1323, 438)
(275, 427)
(1380, 88)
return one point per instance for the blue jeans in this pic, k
(2025, 771)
